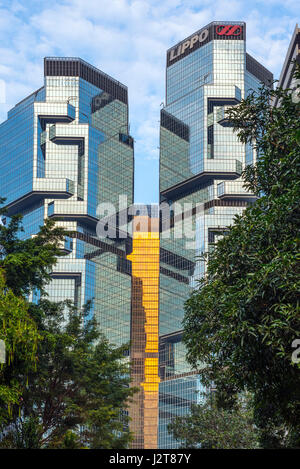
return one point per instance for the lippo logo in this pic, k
(229, 30)
(203, 36)
(189, 44)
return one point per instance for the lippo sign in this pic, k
(205, 35)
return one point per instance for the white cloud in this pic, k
(128, 40)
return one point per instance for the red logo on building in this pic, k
(229, 30)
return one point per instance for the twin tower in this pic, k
(66, 154)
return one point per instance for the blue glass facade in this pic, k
(201, 161)
(64, 150)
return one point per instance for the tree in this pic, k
(78, 395)
(24, 266)
(20, 336)
(209, 427)
(244, 317)
(66, 386)
(28, 263)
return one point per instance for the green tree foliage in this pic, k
(27, 263)
(210, 427)
(24, 266)
(20, 336)
(244, 317)
(61, 376)
(22, 434)
(80, 389)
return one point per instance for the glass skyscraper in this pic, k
(66, 153)
(292, 58)
(201, 161)
(144, 326)
(63, 150)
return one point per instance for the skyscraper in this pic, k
(66, 154)
(292, 58)
(144, 328)
(201, 161)
(64, 150)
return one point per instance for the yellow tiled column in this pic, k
(144, 336)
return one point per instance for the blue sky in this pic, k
(128, 40)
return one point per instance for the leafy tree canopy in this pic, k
(20, 336)
(244, 317)
(27, 263)
(80, 389)
(210, 427)
(63, 384)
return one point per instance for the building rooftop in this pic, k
(76, 67)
